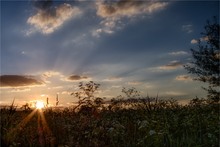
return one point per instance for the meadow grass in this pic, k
(123, 123)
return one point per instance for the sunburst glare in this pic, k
(39, 105)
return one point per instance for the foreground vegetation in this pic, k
(164, 123)
(128, 121)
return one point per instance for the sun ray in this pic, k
(40, 130)
(44, 127)
(12, 133)
(43, 130)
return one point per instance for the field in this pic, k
(124, 122)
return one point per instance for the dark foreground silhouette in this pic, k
(123, 122)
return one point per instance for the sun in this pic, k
(39, 105)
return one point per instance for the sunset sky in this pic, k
(48, 47)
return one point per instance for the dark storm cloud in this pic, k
(18, 81)
(76, 77)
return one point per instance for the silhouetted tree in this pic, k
(206, 59)
(88, 102)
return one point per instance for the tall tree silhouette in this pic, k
(205, 64)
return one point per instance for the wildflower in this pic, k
(152, 132)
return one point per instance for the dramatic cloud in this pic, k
(202, 39)
(128, 8)
(172, 65)
(185, 78)
(18, 81)
(187, 28)
(113, 79)
(134, 83)
(20, 90)
(106, 30)
(194, 41)
(113, 11)
(178, 53)
(66, 92)
(49, 74)
(174, 93)
(47, 20)
(76, 78)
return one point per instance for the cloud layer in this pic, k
(48, 20)
(185, 78)
(187, 28)
(113, 12)
(18, 81)
(171, 65)
(202, 39)
(178, 53)
(113, 79)
(76, 78)
(128, 8)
